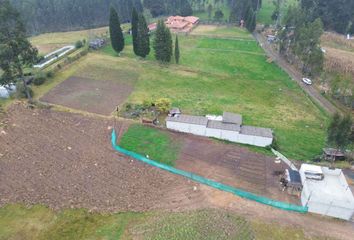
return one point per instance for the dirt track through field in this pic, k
(296, 75)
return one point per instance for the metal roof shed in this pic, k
(330, 196)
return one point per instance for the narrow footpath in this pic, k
(295, 75)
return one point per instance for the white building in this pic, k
(5, 92)
(228, 127)
(326, 191)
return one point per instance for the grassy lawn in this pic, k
(222, 31)
(216, 74)
(41, 223)
(149, 141)
(222, 6)
(265, 13)
(234, 76)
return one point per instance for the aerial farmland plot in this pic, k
(216, 73)
(221, 69)
(96, 86)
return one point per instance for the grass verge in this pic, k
(157, 144)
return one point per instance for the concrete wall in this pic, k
(220, 134)
(329, 208)
(255, 140)
(187, 128)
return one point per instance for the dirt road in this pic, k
(295, 75)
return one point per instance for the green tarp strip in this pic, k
(209, 182)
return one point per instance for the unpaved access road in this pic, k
(295, 75)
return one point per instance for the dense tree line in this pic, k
(299, 40)
(336, 15)
(169, 7)
(245, 10)
(61, 15)
(16, 52)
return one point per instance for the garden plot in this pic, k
(89, 95)
(233, 165)
(93, 88)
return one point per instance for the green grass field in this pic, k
(219, 73)
(222, 74)
(149, 141)
(265, 13)
(41, 223)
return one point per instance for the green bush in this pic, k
(163, 105)
(39, 79)
(50, 74)
(79, 44)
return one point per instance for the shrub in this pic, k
(21, 91)
(163, 105)
(50, 74)
(39, 79)
(147, 104)
(79, 44)
(275, 144)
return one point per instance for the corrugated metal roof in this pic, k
(256, 131)
(232, 118)
(198, 120)
(224, 126)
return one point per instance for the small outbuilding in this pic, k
(331, 153)
(329, 195)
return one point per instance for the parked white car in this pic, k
(307, 81)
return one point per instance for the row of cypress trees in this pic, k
(162, 44)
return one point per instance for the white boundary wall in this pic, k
(331, 196)
(232, 136)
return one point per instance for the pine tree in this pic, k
(135, 20)
(162, 43)
(233, 15)
(117, 38)
(250, 19)
(143, 40)
(177, 53)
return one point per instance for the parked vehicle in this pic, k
(307, 81)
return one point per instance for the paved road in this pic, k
(295, 75)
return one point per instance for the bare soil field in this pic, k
(95, 96)
(233, 165)
(65, 160)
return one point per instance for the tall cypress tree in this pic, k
(142, 40)
(135, 20)
(117, 38)
(177, 53)
(162, 43)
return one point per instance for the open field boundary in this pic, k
(209, 182)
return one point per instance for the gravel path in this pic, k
(295, 75)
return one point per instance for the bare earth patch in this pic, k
(96, 96)
(63, 160)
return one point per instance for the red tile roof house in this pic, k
(178, 24)
(152, 27)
